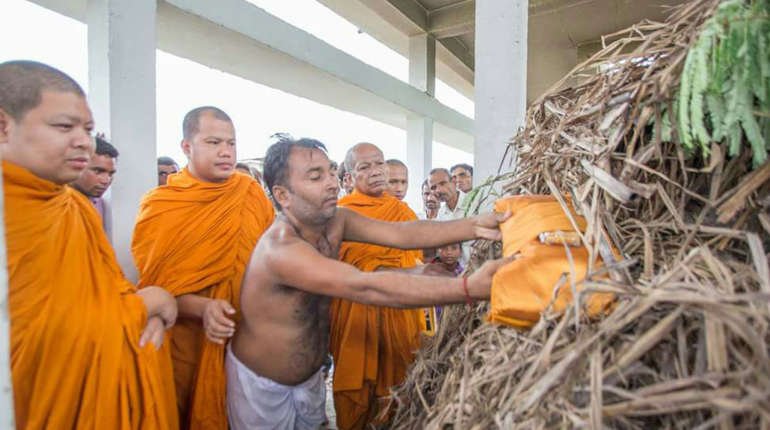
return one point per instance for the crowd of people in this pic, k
(247, 279)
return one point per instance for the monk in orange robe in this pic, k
(194, 236)
(81, 335)
(372, 346)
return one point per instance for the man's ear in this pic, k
(6, 122)
(186, 147)
(281, 195)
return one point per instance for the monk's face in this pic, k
(398, 181)
(97, 177)
(462, 179)
(442, 186)
(52, 140)
(429, 199)
(164, 171)
(211, 150)
(370, 173)
(313, 186)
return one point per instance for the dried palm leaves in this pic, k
(687, 345)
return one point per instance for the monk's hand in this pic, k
(480, 282)
(487, 226)
(218, 326)
(153, 332)
(159, 303)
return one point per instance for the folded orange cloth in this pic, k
(524, 288)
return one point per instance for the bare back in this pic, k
(284, 331)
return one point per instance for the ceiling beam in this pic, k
(413, 11)
(543, 7)
(459, 50)
(452, 20)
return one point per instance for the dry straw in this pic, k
(687, 344)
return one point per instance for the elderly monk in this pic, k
(79, 330)
(194, 236)
(379, 339)
(274, 365)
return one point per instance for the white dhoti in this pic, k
(255, 402)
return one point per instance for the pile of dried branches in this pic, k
(688, 343)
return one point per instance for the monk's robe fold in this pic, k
(195, 237)
(75, 319)
(372, 345)
(524, 288)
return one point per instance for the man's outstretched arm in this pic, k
(299, 265)
(420, 234)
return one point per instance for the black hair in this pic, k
(276, 168)
(191, 121)
(463, 166)
(167, 161)
(105, 148)
(439, 169)
(22, 84)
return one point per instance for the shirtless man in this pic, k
(274, 360)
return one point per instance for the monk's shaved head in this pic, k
(22, 84)
(350, 157)
(191, 121)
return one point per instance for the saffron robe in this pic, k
(195, 237)
(75, 319)
(372, 346)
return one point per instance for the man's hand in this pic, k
(217, 325)
(153, 332)
(487, 226)
(480, 282)
(159, 303)
(434, 269)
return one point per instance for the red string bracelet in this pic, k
(468, 299)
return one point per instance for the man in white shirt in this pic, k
(430, 203)
(444, 189)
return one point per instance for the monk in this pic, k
(274, 362)
(83, 339)
(194, 236)
(379, 339)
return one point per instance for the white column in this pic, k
(419, 131)
(500, 80)
(121, 66)
(6, 384)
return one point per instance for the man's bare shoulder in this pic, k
(279, 234)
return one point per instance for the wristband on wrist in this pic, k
(468, 299)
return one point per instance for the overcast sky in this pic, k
(29, 31)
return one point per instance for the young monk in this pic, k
(274, 360)
(372, 346)
(194, 236)
(83, 340)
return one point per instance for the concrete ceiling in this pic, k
(561, 32)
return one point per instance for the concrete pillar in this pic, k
(419, 131)
(419, 156)
(121, 68)
(500, 80)
(6, 384)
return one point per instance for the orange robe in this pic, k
(75, 319)
(524, 288)
(372, 345)
(195, 237)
